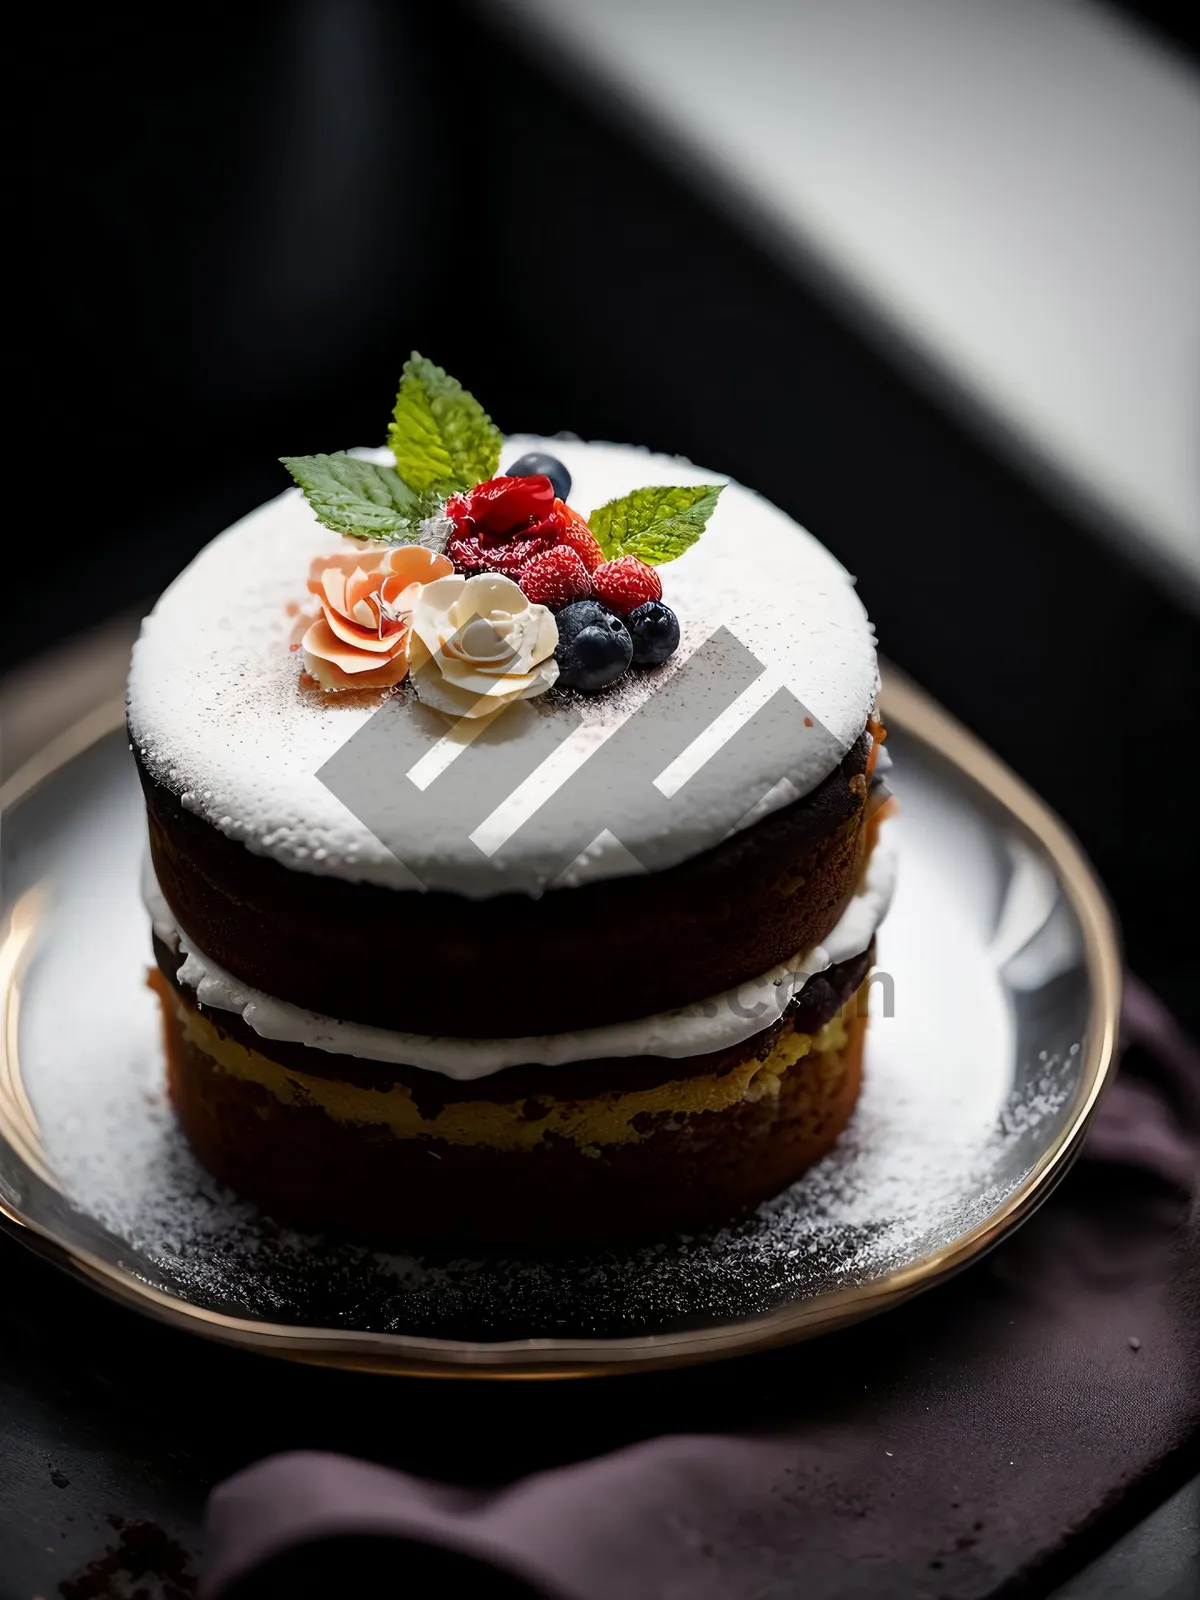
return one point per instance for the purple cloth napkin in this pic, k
(955, 1447)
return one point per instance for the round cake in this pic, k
(513, 872)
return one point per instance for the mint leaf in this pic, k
(657, 524)
(359, 498)
(441, 436)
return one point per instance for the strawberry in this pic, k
(626, 583)
(576, 533)
(555, 578)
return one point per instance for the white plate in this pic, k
(992, 1033)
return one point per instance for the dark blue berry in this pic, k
(537, 465)
(580, 614)
(654, 629)
(594, 656)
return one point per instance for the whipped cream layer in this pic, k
(708, 1025)
(218, 716)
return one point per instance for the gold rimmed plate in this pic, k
(993, 1032)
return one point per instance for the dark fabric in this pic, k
(955, 1447)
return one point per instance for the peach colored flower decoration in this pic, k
(360, 640)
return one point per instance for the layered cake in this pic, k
(515, 847)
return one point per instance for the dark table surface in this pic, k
(112, 1423)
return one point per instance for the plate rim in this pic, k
(904, 706)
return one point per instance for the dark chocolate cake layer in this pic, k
(603, 952)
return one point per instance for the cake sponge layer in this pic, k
(325, 1154)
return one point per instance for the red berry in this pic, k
(501, 505)
(579, 536)
(555, 578)
(467, 553)
(549, 528)
(513, 557)
(625, 584)
(458, 508)
(470, 553)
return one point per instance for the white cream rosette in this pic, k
(477, 644)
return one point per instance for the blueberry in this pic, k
(581, 614)
(537, 465)
(595, 655)
(654, 629)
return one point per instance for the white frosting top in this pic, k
(692, 1030)
(218, 714)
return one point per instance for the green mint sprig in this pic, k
(441, 436)
(359, 498)
(656, 524)
(445, 443)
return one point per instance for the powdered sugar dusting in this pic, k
(917, 1168)
(218, 715)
